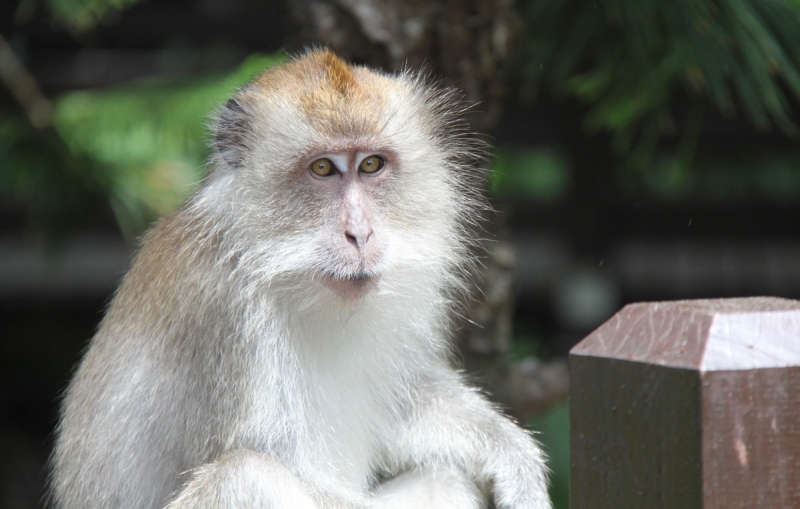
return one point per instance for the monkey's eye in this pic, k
(323, 167)
(371, 164)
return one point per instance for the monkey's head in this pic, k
(340, 175)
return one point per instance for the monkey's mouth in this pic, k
(361, 276)
(354, 276)
(350, 286)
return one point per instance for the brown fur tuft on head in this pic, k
(335, 97)
(338, 73)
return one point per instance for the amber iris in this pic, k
(323, 167)
(371, 164)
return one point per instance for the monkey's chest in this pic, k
(324, 421)
(347, 381)
(343, 419)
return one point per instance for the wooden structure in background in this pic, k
(688, 405)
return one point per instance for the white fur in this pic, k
(434, 489)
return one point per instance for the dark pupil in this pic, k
(321, 166)
(369, 162)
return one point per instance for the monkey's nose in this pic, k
(358, 237)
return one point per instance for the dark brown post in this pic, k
(688, 405)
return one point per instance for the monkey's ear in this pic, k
(232, 128)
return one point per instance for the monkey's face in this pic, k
(344, 178)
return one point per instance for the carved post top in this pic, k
(704, 335)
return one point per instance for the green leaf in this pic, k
(630, 60)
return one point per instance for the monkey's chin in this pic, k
(354, 288)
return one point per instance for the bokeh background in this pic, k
(644, 150)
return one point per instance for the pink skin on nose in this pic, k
(357, 226)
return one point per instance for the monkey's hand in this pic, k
(435, 488)
(455, 425)
(242, 478)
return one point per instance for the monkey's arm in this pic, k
(455, 426)
(244, 478)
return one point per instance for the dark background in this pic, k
(590, 234)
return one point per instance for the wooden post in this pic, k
(688, 405)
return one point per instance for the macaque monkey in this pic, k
(281, 341)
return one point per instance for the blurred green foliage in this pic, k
(150, 139)
(543, 175)
(739, 175)
(82, 15)
(527, 345)
(539, 173)
(143, 146)
(631, 60)
(552, 432)
(551, 428)
(39, 169)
